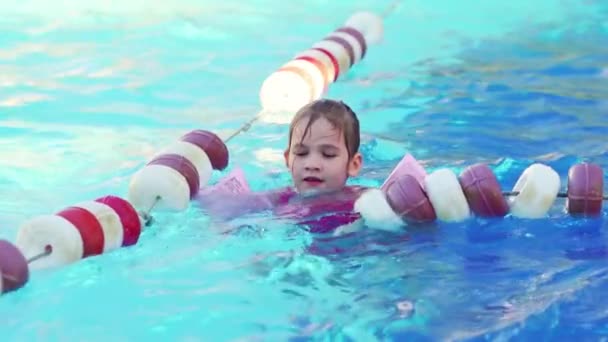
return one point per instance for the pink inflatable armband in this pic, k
(407, 166)
(232, 196)
(234, 183)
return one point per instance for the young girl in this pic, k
(322, 154)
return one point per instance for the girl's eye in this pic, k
(300, 153)
(329, 155)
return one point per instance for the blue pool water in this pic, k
(89, 92)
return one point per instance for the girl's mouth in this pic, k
(312, 180)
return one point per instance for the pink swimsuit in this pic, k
(321, 213)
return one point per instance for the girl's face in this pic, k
(319, 160)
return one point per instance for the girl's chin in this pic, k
(307, 191)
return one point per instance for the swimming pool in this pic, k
(89, 92)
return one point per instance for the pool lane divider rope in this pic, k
(174, 175)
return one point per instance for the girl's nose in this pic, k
(312, 163)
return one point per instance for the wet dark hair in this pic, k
(338, 113)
